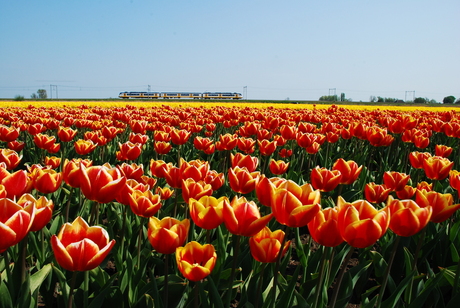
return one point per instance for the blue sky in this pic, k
(299, 50)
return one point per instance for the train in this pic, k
(177, 95)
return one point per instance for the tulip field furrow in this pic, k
(228, 205)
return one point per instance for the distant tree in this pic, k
(449, 99)
(390, 99)
(420, 100)
(42, 94)
(34, 96)
(380, 99)
(457, 101)
(342, 97)
(19, 98)
(328, 98)
(372, 99)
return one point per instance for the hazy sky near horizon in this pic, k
(296, 49)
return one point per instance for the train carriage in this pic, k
(179, 95)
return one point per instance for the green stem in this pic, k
(68, 205)
(86, 289)
(387, 272)
(259, 285)
(414, 266)
(72, 288)
(236, 249)
(340, 277)
(456, 280)
(277, 267)
(319, 286)
(166, 286)
(196, 300)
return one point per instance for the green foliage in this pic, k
(19, 98)
(448, 99)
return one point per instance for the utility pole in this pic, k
(53, 87)
(409, 94)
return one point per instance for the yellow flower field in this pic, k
(122, 103)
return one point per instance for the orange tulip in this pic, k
(167, 234)
(44, 141)
(215, 179)
(129, 151)
(162, 147)
(165, 192)
(15, 222)
(424, 186)
(179, 136)
(395, 180)
(172, 175)
(349, 169)
(195, 169)
(195, 190)
(71, 171)
(442, 204)
(241, 180)
(227, 142)
(305, 140)
(437, 167)
(161, 136)
(84, 147)
(208, 211)
(53, 161)
(246, 145)
(265, 188)
(242, 217)
(138, 138)
(416, 159)
(144, 203)
(132, 171)
(265, 246)
(285, 153)
(288, 132)
(101, 183)
(10, 157)
(43, 210)
(15, 145)
(9, 133)
(201, 144)
(196, 261)
(241, 160)
(266, 147)
(406, 193)
(47, 180)
(138, 127)
(278, 167)
(36, 128)
(79, 247)
(443, 150)
(66, 134)
(360, 224)
(295, 205)
(158, 168)
(110, 132)
(454, 179)
(324, 227)
(16, 183)
(407, 218)
(378, 136)
(314, 148)
(376, 193)
(324, 179)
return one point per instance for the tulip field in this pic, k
(228, 205)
